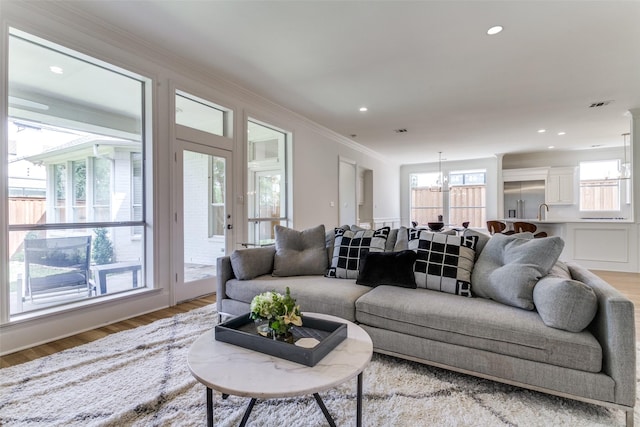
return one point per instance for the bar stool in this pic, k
(521, 227)
(496, 227)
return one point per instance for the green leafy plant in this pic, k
(279, 310)
(102, 248)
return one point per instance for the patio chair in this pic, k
(57, 265)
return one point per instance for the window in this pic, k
(467, 198)
(217, 187)
(267, 181)
(72, 178)
(136, 191)
(425, 204)
(599, 186)
(463, 198)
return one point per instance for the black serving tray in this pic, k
(241, 331)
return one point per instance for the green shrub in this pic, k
(102, 250)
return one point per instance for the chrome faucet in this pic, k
(540, 210)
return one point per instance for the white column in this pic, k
(635, 163)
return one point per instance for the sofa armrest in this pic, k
(614, 328)
(224, 273)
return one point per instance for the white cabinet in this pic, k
(561, 186)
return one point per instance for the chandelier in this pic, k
(441, 182)
(625, 167)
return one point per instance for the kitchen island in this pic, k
(597, 243)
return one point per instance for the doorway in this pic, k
(203, 226)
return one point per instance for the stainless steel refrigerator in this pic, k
(523, 198)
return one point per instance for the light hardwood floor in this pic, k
(92, 335)
(627, 283)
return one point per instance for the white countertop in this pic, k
(565, 221)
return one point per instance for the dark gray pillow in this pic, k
(300, 253)
(387, 268)
(249, 263)
(509, 267)
(565, 303)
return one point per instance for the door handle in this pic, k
(229, 226)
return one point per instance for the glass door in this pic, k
(203, 221)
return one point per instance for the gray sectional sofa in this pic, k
(566, 333)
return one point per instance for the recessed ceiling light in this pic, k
(56, 70)
(551, 147)
(494, 30)
(542, 130)
(363, 109)
(561, 133)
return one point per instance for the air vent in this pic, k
(400, 130)
(600, 104)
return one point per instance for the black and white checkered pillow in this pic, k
(350, 246)
(444, 262)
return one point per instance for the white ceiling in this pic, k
(425, 66)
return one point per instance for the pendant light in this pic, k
(625, 167)
(440, 185)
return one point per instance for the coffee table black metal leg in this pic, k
(209, 407)
(326, 413)
(319, 400)
(359, 402)
(245, 418)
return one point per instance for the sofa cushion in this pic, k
(387, 268)
(509, 267)
(350, 246)
(250, 263)
(313, 293)
(565, 303)
(444, 262)
(300, 253)
(477, 323)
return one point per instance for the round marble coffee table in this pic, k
(233, 370)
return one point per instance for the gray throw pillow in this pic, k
(560, 269)
(406, 235)
(510, 265)
(565, 303)
(249, 263)
(482, 240)
(300, 253)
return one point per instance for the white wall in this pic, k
(315, 154)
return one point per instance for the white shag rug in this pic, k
(140, 377)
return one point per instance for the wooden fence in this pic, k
(24, 210)
(466, 203)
